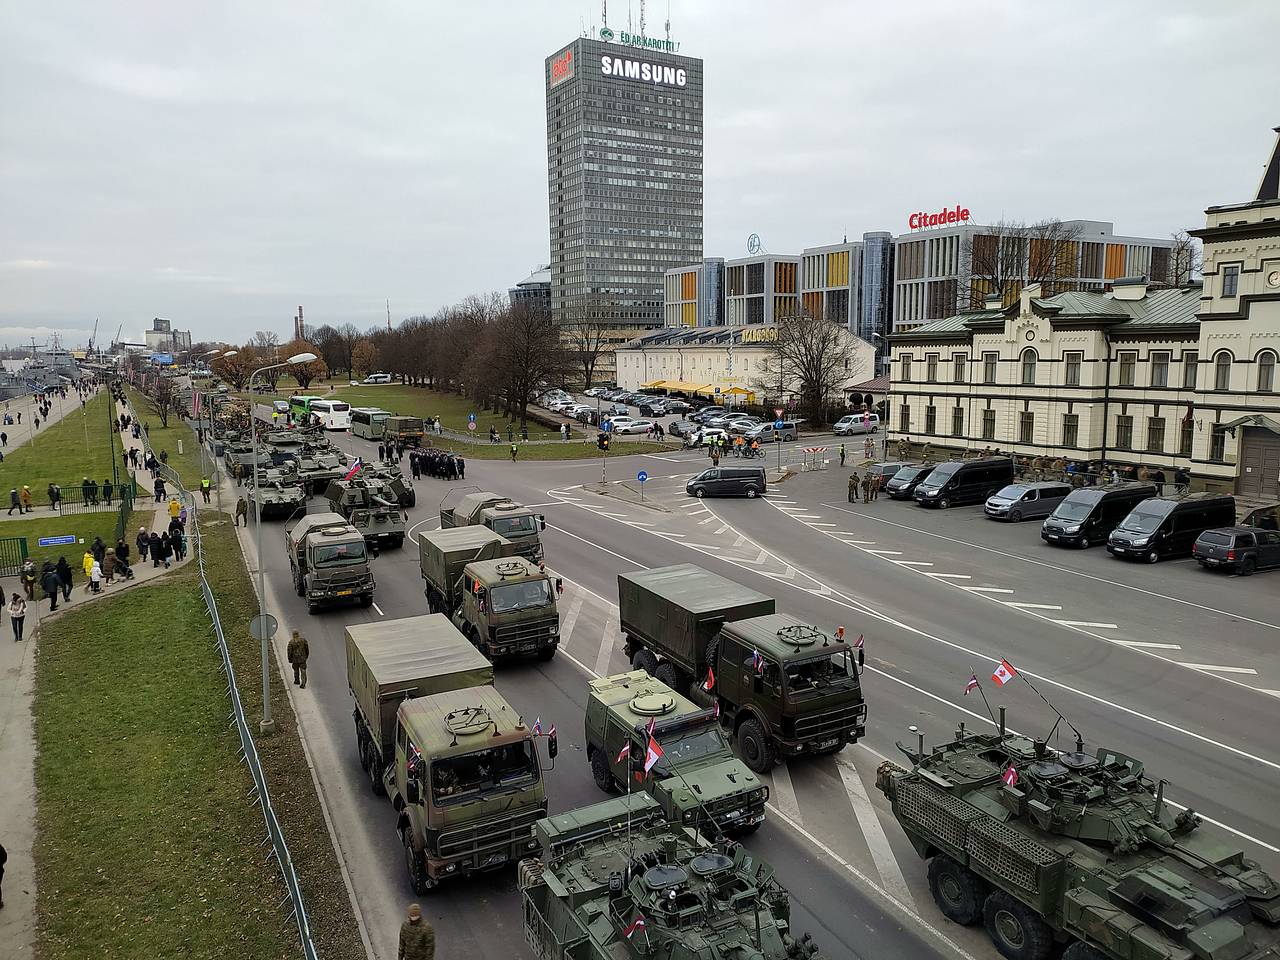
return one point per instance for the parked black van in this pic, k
(902, 485)
(727, 482)
(1089, 514)
(1168, 526)
(958, 482)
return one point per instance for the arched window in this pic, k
(1029, 359)
(1266, 371)
(1222, 370)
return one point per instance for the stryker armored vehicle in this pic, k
(369, 507)
(391, 474)
(317, 468)
(616, 881)
(500, 514)
(328, 560)
(1049, 848)
(280, 492)
(697, 779)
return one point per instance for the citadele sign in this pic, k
(921, 220)
(562, 68)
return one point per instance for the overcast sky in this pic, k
(220, 163)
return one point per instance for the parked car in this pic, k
(886, 471)
(847, 426)
(958, 482)
(678, 406)
(681, 428)
(725, 481)
(614, 409)
(377, 378)
(1169, 526)
(280, 406)
(1026, 501)
(616, 421)
(766, 433)
(741, 426)
(578, 409)
(587, 415)
(903, 484)
(1089, 514)
(1241, 550)
(653, 407)
(703, 435)
(562, 404)
(595, 392)
(633, 426)
(706, 413)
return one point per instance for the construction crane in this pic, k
(93, 336)
(115, 343)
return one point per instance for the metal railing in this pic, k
(248, 749)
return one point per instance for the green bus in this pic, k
(367, 422)
(300, 407)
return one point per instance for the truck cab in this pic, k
(509, 609)
(698, 781)
(328, 560)
(503, 516)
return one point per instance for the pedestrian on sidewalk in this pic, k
(95, 577)
(179, 540)
(109, 566)
(26, 499)
(98, 549)
(17, 617)
(242, 510)
(164, 456)
(175, 508)
(29, 576)
(298, 652)
(122, 551)
(50, 584)
(204, 488)
(86, 564)
(144, 543)
(14, 502)
(417, 937)
(154, 543)
(166, 549)
(64, 577)
(514, 451)
(842, 454)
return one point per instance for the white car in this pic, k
(704, 436)
(578, 409)
(632, 426)
(618, 421)
(377, 378)
(562, 406)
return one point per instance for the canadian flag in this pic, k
(1010, 776)
(710, 683)
(1004, 673)
(652, 754)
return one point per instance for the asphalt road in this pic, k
(1167, 663)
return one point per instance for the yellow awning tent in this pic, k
(655, 385)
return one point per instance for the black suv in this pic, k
(1241, 550)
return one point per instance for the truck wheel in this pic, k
(366, 599)
(957, 891)
(668, 674)
(547, 653)
(299, 585)
(398, 540)
(374, 766)
(419, 880)
(1082, 951)
(645, 660)
(600, 771)
(756, 750)
(1016, 931)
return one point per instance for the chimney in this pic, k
(1129, 288)
(1030, 292)
(993, 302)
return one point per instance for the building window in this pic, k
(1160, 369)
(1072, 362)
(1128, 368)
(1190, 364)
(957, 421)
(905, 361)
(989, 362)
(1187, 436)
(1266, 371)
(931, 419)
(1026, 426)
(1124, 432)
(1029, 366)
(1155, 434)
(1231, 280)
(904, 419)
(961, 367)
(988, 424)
(931, 367)
(1070, 429)
(1222, 370)
(1218, 446)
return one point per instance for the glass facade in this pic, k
(875, 305)
(624, 177)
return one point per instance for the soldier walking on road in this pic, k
(904, 449)
(866, 487)
(853, 487)
(417, 937)
(876, 480)
(842, 454)
(204, 488)
(298, 652)
(242, 510)
(926, 451)
(514, 451)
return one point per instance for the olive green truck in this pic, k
(459, 764)
(503, 516)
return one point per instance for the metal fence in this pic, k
(248, 749)
(13, 550)
(74, 499)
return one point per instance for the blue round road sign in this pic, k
(471, 417)
(777, 424)
(642, 476)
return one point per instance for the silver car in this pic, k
(1025, 501)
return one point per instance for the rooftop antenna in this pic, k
(604, 13)
(642, 18)
(388, 315)
(668, 24)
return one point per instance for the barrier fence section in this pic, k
(248, 750)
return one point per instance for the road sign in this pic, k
(471, 425)
(471, 418)
(642, 476)
(778, 411)
(57, 541)
(778, 424)
(717, 391)
(263, 627)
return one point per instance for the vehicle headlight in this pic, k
(1075, 529)
(555, 629)
(689, 815)
(760, 793)
(1142, 542)
(450, 868)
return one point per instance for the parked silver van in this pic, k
(1026, 501)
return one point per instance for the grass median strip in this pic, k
(79, 445)
(187, 463)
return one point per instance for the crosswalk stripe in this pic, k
(1209, 667)
(606, 647)
(873, 832)
(571, 618)
(782, 793)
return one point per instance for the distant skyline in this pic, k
(218, 165)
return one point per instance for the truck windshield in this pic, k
(339, 554)
(509, 597)
(472, 775)
(507, 526)
(688, 744)
(809, 676)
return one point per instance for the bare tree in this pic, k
(1007, 255)
(267, 341)
(585, 341)
(810, 359)
(1185, 260)
(165, 398)
(348, 336)
(526, 351)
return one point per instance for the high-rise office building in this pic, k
(624, 175)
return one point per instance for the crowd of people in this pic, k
(721, 446)
(439, 464)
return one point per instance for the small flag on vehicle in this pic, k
(717, 709)
(537, 727)
(859, 642)
(1010, 776)
(648, 729)
(633, 927)
(757, 663)
(652, 754)
(972, 685)
(624, 752)
(710, 683)
(1004, 673)
(552, 731)
(355, 468)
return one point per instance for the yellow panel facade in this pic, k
(689, 311)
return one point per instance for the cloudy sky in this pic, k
(221, 163)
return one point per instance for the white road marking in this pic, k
(638, 523)
(660, 457)
(702, 546)
(379, 609)
(1146, 643)
(571, 618)
(822, 524)
(1213, 668)
(949, 576)
(914, 563)
(1088, 623)
(873, 832)
(987, 589)
(1031, 606)
(885, 553)
(708, 520)
(1274, 693)
(782, 793)
(808, 516)
(606, 647)
(669, 535)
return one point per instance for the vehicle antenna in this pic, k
(990, 713)
(1058, 713)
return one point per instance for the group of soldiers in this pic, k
(870, 484)
(440, 464)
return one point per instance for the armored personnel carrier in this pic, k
(1050, 848)
(371, 508)
(391, 474)
(616, 881)
(280, 493)
(317, 468)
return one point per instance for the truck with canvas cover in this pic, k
(784, 687)
(328, 560)
(616, 881)
(697, 779)
(508, 609)
(406, 430)
(444, 554)
(459, 764)
(502, 515)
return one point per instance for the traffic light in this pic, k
(602, 440)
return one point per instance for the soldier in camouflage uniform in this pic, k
(298, 652)
(853, 487)
(904, 449)
(417, 937)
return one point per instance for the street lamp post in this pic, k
(213, 424)
(267, 726)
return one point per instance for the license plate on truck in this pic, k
(493, 859)
(828, 744)
(344, 593)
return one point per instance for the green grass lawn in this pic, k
(84, 526)
(147, 844)
(78, 445)
(186, 463)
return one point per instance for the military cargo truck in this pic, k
(784, 687)
(369, 507)
(408, 430)
(502, 515)
(444, 554)
(459, 764)
(328, 559)
(1048, 848)
(698, 781)
(605, 867)
(508, 609)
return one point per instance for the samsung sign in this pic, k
(645, 72)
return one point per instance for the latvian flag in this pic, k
(624, 752)
(972, 685)
(633, 927)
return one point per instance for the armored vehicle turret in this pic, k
(615, 881)
(371, 508)
(391, 474)
(317, 468)
(278, 493)
(1074, 848)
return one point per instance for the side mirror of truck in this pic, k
(481, 592)
(542, 522)
(412, 794)
(553, 746)
(757, 683)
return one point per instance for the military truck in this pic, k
(508, 609)
(444, 554)
(278, 493)
(697, 780)
(328, 559)
(502, 515)
(369, 507)
(605, 868)
(784, 687)
(407, 430)
(1048, 848)
(458, 762)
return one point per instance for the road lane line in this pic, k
(822, 524)
(782, 792)
(873, 833)
(1147, 643)
(708, 520)
(638, 523)
(1031, 606)
(571, 619)
(952, 576)
(808, 516)
(379, 609)
(885, 553)
(987, 589)
(914, 563)
(606, 646)
(669, 534)
(1088, 623)
(1248, 671)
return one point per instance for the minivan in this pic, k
(1089, 514)
(378, 378)
(853, 423)
(766, 432)
(902, 485)
(1241, 550)
(1168, 526)
(958, 482)
(1026, 501)
(727, 482)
